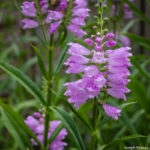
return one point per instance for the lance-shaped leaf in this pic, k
(16, 126)
(70, 125)
(27, 83)
(40, 62)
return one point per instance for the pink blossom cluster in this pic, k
(54, 17)
(36, 124)
(103, 68)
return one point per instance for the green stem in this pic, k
(94, 124)
(50, 94)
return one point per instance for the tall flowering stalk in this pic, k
(104, 68)
(55, 14)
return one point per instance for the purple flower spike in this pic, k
(28, 9)
(110, 43)
(89, 42)
(110, 36)
(112, 111)
(29, 24)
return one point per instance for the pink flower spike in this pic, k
(112, 111)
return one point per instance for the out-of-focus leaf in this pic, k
(25, 104)
(141, 70)
(138, 90)
(18, 120)
(70, 125)
(144, 42)
(29, 63)
(119, 140)
(79, 116)
(104, 120)
(127, 104)
(13, 129)
(129, 125)
(5, 53)
(129, 25)
(138, 12)
(27, 83)
(63, 54)
(55, 133)
(40, 62)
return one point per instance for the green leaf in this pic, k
(40, 62)
(70, 125)
(104, 120)
(126, 121)
(55, 133)
(15, 117)
(144, 42)
(27, 83)
(63, 54)
(119, 140)
(28, 64)
(138, 12)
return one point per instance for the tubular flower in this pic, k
(36, 124)
(102, 68)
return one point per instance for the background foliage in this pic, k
(16, 49)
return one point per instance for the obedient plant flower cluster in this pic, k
(116, 8)
(36, 124)
(104, 68)
(54, 15)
